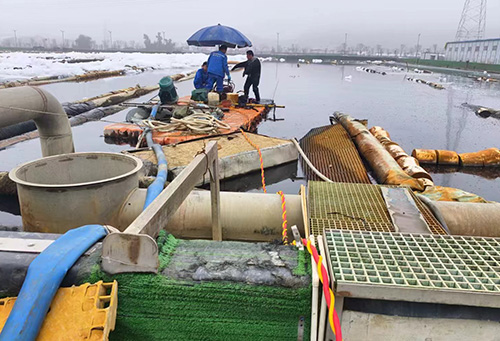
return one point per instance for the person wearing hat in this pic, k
(201, 78)
(217, 68)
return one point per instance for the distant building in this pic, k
(474, 51)
(433, 56)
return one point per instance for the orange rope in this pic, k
(333, 318)
(284, 235)
(261, 162)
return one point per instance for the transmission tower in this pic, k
(473, 21)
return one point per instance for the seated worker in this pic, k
(252, 70)
(217, 67)
(201, 77)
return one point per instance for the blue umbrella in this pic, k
(219, 35)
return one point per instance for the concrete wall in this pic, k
(475, 51)
(358, 326)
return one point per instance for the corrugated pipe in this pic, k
(30, 103)
(161, 177)
(483, 158)
(386, 169)
(42, 281)
(409, 164)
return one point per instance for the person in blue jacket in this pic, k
(217, 67)
(201, 77)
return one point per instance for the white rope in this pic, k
(197, 123)
(309, 163)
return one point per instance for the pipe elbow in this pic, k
(31, 103)
(54, 128)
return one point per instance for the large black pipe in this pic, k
(14, 265)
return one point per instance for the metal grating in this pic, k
(333, 153)
(434, 226)
(355, 207)
(439, 269)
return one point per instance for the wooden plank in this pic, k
(305, 215)
(156, 215)
(215, 200)
(24, 245)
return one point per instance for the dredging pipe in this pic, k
(30, 103)
(484, 158)
(468, 219)
(408, 163)
(244, 216)
(382, 163)
(42, 281)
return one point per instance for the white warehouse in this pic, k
(474, 51)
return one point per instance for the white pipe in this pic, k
(30, 103)
(469, 219)
(315, 294)
(244, 216)
(322, 315)
(309, 163)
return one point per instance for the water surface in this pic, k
(416, 116)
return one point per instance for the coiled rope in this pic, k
(284, 235)
(196, 123)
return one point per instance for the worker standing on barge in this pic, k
(217, 67)
(201, 78)
(252, 70)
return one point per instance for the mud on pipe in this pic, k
(386, 169)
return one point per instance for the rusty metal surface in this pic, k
(359, 207)
(333, 153)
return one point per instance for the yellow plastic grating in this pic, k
(358, 207)
(86, 312)
(333, 153)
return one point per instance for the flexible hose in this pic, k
(158, 184)
(42, 281)
(309, 163)
(161, 176)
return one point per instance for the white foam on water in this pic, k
(22, 65)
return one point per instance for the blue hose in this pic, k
(161, 176)
(43, 278)
(154, 110)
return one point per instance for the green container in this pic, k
(168, 94)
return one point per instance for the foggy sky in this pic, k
(305, 23)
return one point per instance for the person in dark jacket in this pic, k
(252, 70)
(201, 77)
(217, 67)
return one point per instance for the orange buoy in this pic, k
(427, 156)
(447, 157)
